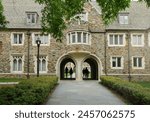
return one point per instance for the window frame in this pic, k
(35, 64)
(36, 18)
(142, 37)
(84, 16)
(114, 45)
(143, 62)
(12, 38)
(123, 15)
(33, 39)
(122, 62)
(12, 65)
(81, 17)
(88, 38)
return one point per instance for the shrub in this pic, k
(133, 92)
(28, 92)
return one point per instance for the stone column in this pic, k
(79, 70)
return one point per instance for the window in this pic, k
(116, 39)
(17, 64)
(17, 38)
(78, 37)
(138, 62)
(82, 17)
(42, 64)
(31, 17)
(123, 19)
(45, 39)
(116, 62)
(137, 40)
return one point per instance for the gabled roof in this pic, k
(139, 18)
(15, 12)
(96, 6)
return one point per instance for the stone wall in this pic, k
(134, 51)
(57, 49)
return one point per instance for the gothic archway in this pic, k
(90, 66)
(71, 67)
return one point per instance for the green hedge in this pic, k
(30, 92)
(134, 93)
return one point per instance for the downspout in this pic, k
(105, 52)
(129, 55)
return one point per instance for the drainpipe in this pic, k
(28, 55)
(105, 52)
(129, 60)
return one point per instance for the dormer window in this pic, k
(124, 18)
(82, 17)
(32, 17)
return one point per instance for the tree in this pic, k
(56, 13)
(3, 21)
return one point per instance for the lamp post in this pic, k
(38, 42)
(28, 55)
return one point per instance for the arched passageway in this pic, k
(78, 61)
(90, 69)
(67, 69)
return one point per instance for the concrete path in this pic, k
(83, 93)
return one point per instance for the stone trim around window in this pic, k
(12, 38)
(11, 63)
(122, 62)
(34, 39)
(123, 18)
(78, 37)
(142, 40)
(35, 64)
(31, 18)
(138, 67)
(113, 37)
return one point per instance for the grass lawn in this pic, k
(144, 84)
(12, 79)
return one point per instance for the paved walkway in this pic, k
(83, 93)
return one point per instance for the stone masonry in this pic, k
(58, 51)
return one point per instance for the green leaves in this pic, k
(56, 13)
(110, 9)
(133, 92)
(3, 21)
(147, 1)
(33, 91)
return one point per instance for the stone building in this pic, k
(120, 49)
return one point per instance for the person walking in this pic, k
(83, 72)
(86, 72)
(66, 72)
(71, 72)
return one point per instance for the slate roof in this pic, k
(139, 18)
(15, 12)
